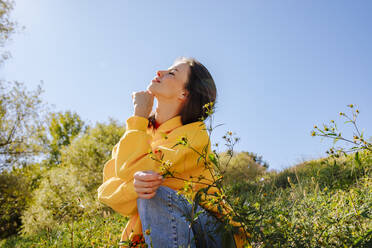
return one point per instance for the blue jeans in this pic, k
(168, 215)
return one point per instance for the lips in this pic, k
(156, 80)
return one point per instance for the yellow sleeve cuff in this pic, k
(137, 123)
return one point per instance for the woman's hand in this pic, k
(142, 101)
(146, 183)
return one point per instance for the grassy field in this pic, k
(319, 203)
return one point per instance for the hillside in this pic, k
(318, 203)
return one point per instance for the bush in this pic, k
(241, 168)
(102, 230)
(15, 192)
(69, 190)
(61, 197)
(305, 206)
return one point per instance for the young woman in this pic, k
(132, 179)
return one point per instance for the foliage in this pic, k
(313, 209)
(330, 131)
(340, 173)
(318, 203)
(15, 193)
(63, 128)
(68, 190)
(102, 230)
(89, 152)
(60, 198)
(295, 214)
(241, 167)
(21, 124)
(7, 27)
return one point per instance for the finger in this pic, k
(147, 196)
(147, 184)
(145, 190)
(153, 173)
(156, 187)
(145, 176)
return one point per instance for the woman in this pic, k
(132, 179)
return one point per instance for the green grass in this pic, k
(318, 203)
(87, 232)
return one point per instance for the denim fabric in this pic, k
(166, 214)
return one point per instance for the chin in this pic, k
(152, 90)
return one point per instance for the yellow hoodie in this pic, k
(131, 154)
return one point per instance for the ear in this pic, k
(183, 95)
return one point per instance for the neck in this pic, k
(166, 110)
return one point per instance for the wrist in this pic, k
(141, 113)
(137, 123)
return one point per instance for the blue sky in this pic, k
(280, 66)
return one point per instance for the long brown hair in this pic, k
(201, 90)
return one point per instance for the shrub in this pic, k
(240, 168)
(15, 192)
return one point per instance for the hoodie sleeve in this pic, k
(129, 155)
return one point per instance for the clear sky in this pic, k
(280, 66)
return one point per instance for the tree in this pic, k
(63, 128)
(68, 191)
(7, 27)
(21, 124)
(15, 193)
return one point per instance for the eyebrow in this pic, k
(173, 69)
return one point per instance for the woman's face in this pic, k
(169, 84)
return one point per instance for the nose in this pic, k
(158, 73)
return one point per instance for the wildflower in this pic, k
(147, 231)
(342, 113)
(137, 239)
(332, 121)
(357, 111)
(350, 105)
(315, 127)
(312, 133)
(206, 105)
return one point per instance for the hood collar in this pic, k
(169, 125)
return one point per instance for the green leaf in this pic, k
(212, 157)
(357, 158)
